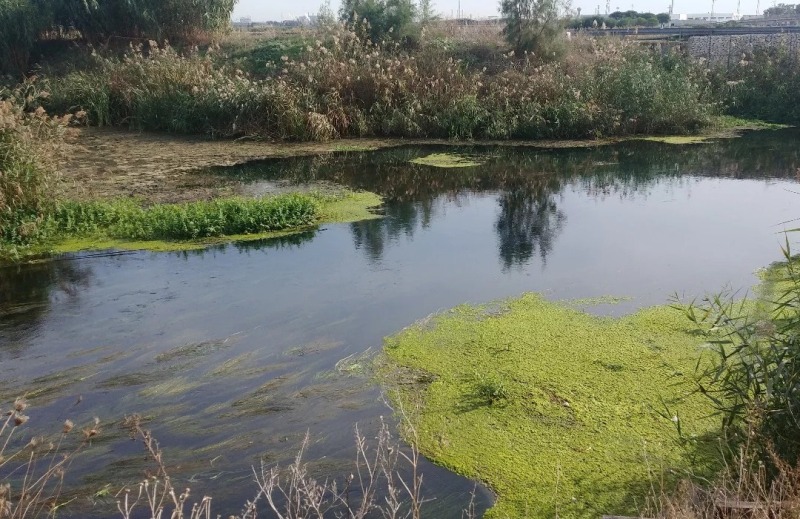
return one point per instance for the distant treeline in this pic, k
(619, 19)
(783, 10)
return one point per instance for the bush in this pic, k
(176, 20)
(534, 26)
(754, 379)
(379, 20)
(763, 86)
(29, 142)
(349, 87)
(226, 217)
(21, 24)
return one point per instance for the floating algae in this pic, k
(680, 139)
(446, 160)
(558, 411)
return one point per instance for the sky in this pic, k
(262, 10)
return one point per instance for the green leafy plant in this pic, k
(490, 389)
(754, 377)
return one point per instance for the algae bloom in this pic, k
(558, 411)
(446, 160)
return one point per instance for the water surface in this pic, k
(233, 353)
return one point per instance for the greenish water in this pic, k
(231, 352)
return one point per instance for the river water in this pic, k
(233, 353)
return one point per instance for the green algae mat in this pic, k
(558, 411)
(446, 160)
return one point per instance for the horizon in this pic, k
(260, 11)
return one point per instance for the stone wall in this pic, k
(729, 49)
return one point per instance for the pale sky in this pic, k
(261, 10)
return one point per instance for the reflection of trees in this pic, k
(528, 180)
(244, 246)
(527, 223)
(400, 219)
(26, 294)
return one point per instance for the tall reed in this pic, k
(344, 86)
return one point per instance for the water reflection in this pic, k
(27, 294)
(240, 349)
(528, 222)
(529, 182)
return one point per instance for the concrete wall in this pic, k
(729, 49)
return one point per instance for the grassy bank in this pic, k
(559, 412)
(126, 225)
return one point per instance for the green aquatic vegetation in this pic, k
(196, 220)
(679, 139)
(738, 123)
(446, 160)
(558, 411)
(126, 225)
(194, 350)
(169, 387)
(595, 301)
(353, 148)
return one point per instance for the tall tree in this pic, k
(534, 25)
(379, 20)
(426, 11)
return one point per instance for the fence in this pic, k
(729, 50)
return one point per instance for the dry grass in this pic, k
(376, 487)
(744, 490)
(30, 145)
(343, 86)
(32, 468)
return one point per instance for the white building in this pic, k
(703, 18)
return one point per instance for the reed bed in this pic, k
(343, 86)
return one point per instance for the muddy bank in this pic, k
(161, 168)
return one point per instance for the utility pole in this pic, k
(608, 7)
(712, 9)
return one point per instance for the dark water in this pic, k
(233, 353)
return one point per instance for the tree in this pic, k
(379, 20)
(534, 25)
(425, 11)
(783, 10)
(663, 18)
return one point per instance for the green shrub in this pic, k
(763, 86)
(754, 379)
(175, 20)
(21, 22)
(129, 221)
(379, 20)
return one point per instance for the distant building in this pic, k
(703, 18)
